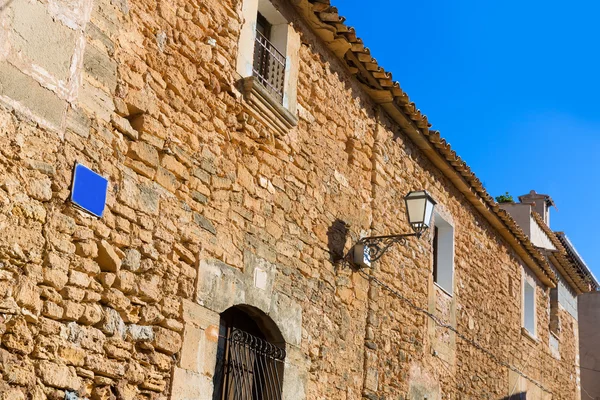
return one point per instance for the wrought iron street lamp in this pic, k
(419, 210)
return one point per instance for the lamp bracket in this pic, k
(378, 245)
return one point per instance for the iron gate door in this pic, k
(252, 368)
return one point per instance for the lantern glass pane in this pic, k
(415, 209)
(428, 213)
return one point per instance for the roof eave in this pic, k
(388, 94)
(582, 264)
(432, 154)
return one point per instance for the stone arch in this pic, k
(219, 287)
(265, 324)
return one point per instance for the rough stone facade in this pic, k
(210, 207)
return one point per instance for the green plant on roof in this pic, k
(505, 198)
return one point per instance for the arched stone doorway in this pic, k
(251, 290)
(250, 356)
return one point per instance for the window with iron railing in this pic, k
(269, 65)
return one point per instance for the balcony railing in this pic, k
(269, 66)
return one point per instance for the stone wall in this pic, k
(201, 194)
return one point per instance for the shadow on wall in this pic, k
(336, 240)
(518, 396)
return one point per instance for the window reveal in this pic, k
(529, 307)
(443, 254)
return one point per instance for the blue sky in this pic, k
(512, 85)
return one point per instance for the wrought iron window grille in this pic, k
(269, 66)
(252, 368)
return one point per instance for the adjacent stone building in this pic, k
(247, 146)
(589, 344)
(576, 284)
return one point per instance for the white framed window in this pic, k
(529, 318)
(268, 53)
(443, 254)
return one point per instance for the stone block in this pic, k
(41, 166)
(19, 374)
(144, 152)
(72, 355)
(260, 278)
(116, 351)
(295, 375)
(287, 314)
(78, 122)
(108, 259)
(140, 168)
(186, 256)
(40, 39)
(40, 188)
(167, 179)
(27, 295)
(23, 89)
(176, 82)
(137, 103)
(144, 123)
(79, 279)
(55, 278)
(73, 293)
(52, 310)
(204, 223)
(154, 382)
(8, 306)
(58, 376)
(139, 333)
(87, 337)
(149, 288)
(126, 282)
(166, 340)
(104, 367)
(116, 299)
(199, 197)
(96, 101)
(188, 385)
(123, 125)
(10, 393)
(193, 342)
(100, 66)
(73, 310)
(126, 391)
(134, 372)
(92, 314)
(169, 162)
(132, 260)
(86, 249)
(113, 323)
(220, 286)
(198, 315)
(245, 178)
(141, 196)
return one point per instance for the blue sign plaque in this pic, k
(89, 190)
